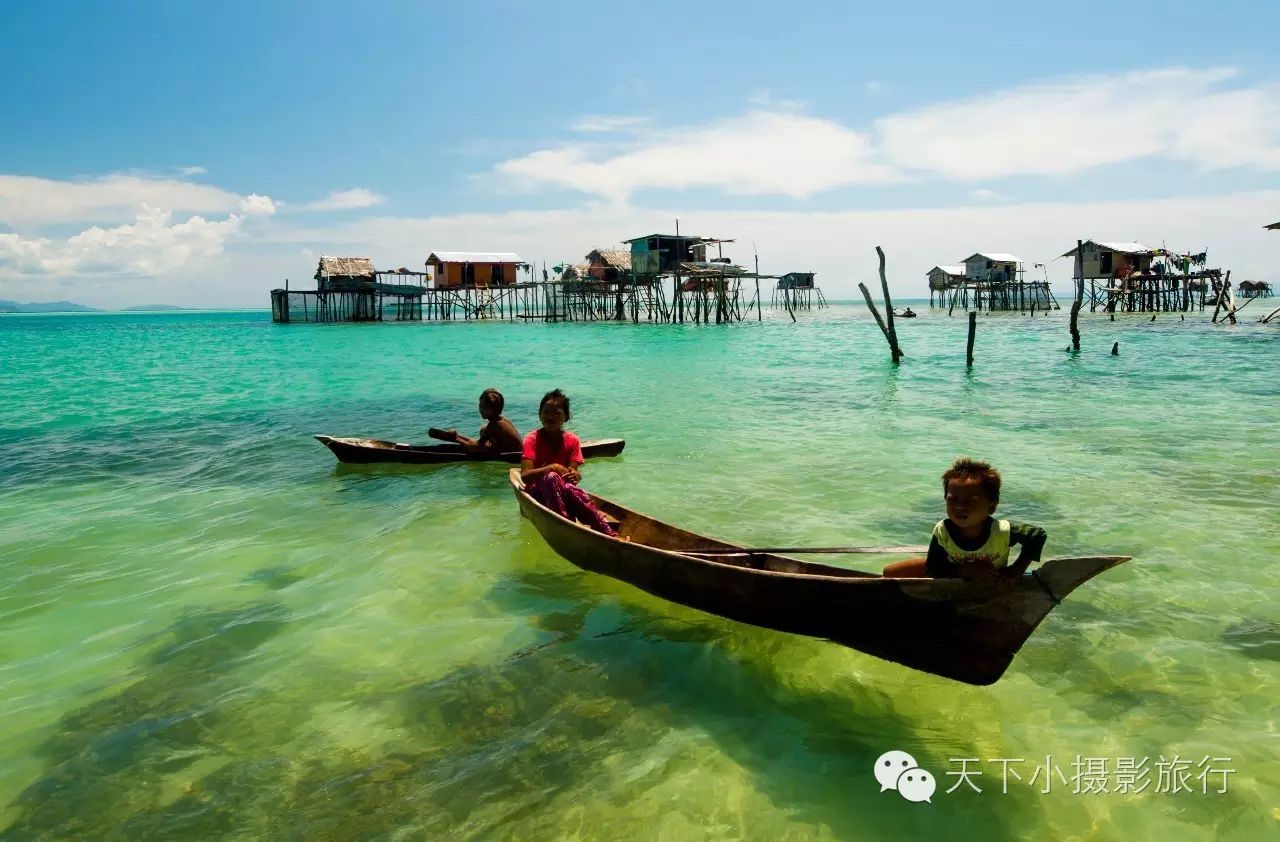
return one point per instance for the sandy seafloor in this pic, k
(209, 629)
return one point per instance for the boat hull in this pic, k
(947, 627)
(369, 451)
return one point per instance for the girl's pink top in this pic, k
(539, 447)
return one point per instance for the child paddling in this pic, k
(969, 543)
(498, 434)
(550, 466)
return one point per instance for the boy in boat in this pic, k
(498, 434)
(550, 466)
(969, 543)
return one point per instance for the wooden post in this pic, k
(888, 310)
(872, 306)
(676, 291)
(1075, 305)
(1222, 291)
(968, 350)
(759, 315)
(1115, 349)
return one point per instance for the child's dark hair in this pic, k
(971, 469)
(556, 396)
(494, 398)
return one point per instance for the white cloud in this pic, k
(1074, 125)
(875, 87)
(255, 205)
(192, 170)
(29, 201)
(353, 199)
(762, 152)
(152, 245)
(604, 123)
(982, 194)
(1050, 128)
(787, 240)
(803, 240)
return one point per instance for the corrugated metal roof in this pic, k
(687, 237)
(1127, 248)
(950, 270)
(995, 257)
(474, 257)
(1122, 248)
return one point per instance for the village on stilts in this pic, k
(656, 278)
(678, 278)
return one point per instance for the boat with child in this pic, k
(366, 451)
(948, 627)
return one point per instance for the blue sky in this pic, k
(164, 152)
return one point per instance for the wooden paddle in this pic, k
(828, 550)
(443, 435)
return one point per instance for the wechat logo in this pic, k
(899, 770)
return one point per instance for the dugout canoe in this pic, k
(946, 627)
(365, 451)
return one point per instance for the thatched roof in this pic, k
(615, 258)
(345, 267)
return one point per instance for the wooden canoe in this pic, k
(946, 627)
(364, 451)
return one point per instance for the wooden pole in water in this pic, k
(871, 305)
(759, 315)
(1075, 305)
(676, 291)
(1231, 299)
(888, 310)
(1222, 290)
(968, 350)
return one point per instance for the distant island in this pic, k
(46, 307)
(152, 308)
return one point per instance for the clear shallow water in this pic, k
(209, 628)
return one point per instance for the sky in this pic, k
(200, 154)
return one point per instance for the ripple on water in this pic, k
(211, 629)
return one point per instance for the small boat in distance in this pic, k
(947, 627)
(905, 313)
(367, 451)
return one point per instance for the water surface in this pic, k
(210, 628)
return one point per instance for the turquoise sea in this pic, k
(210, 629)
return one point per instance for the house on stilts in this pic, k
(350, 289)
(994, 281)
(1129, 277)
(941, 280)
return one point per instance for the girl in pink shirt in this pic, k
(550, 462)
